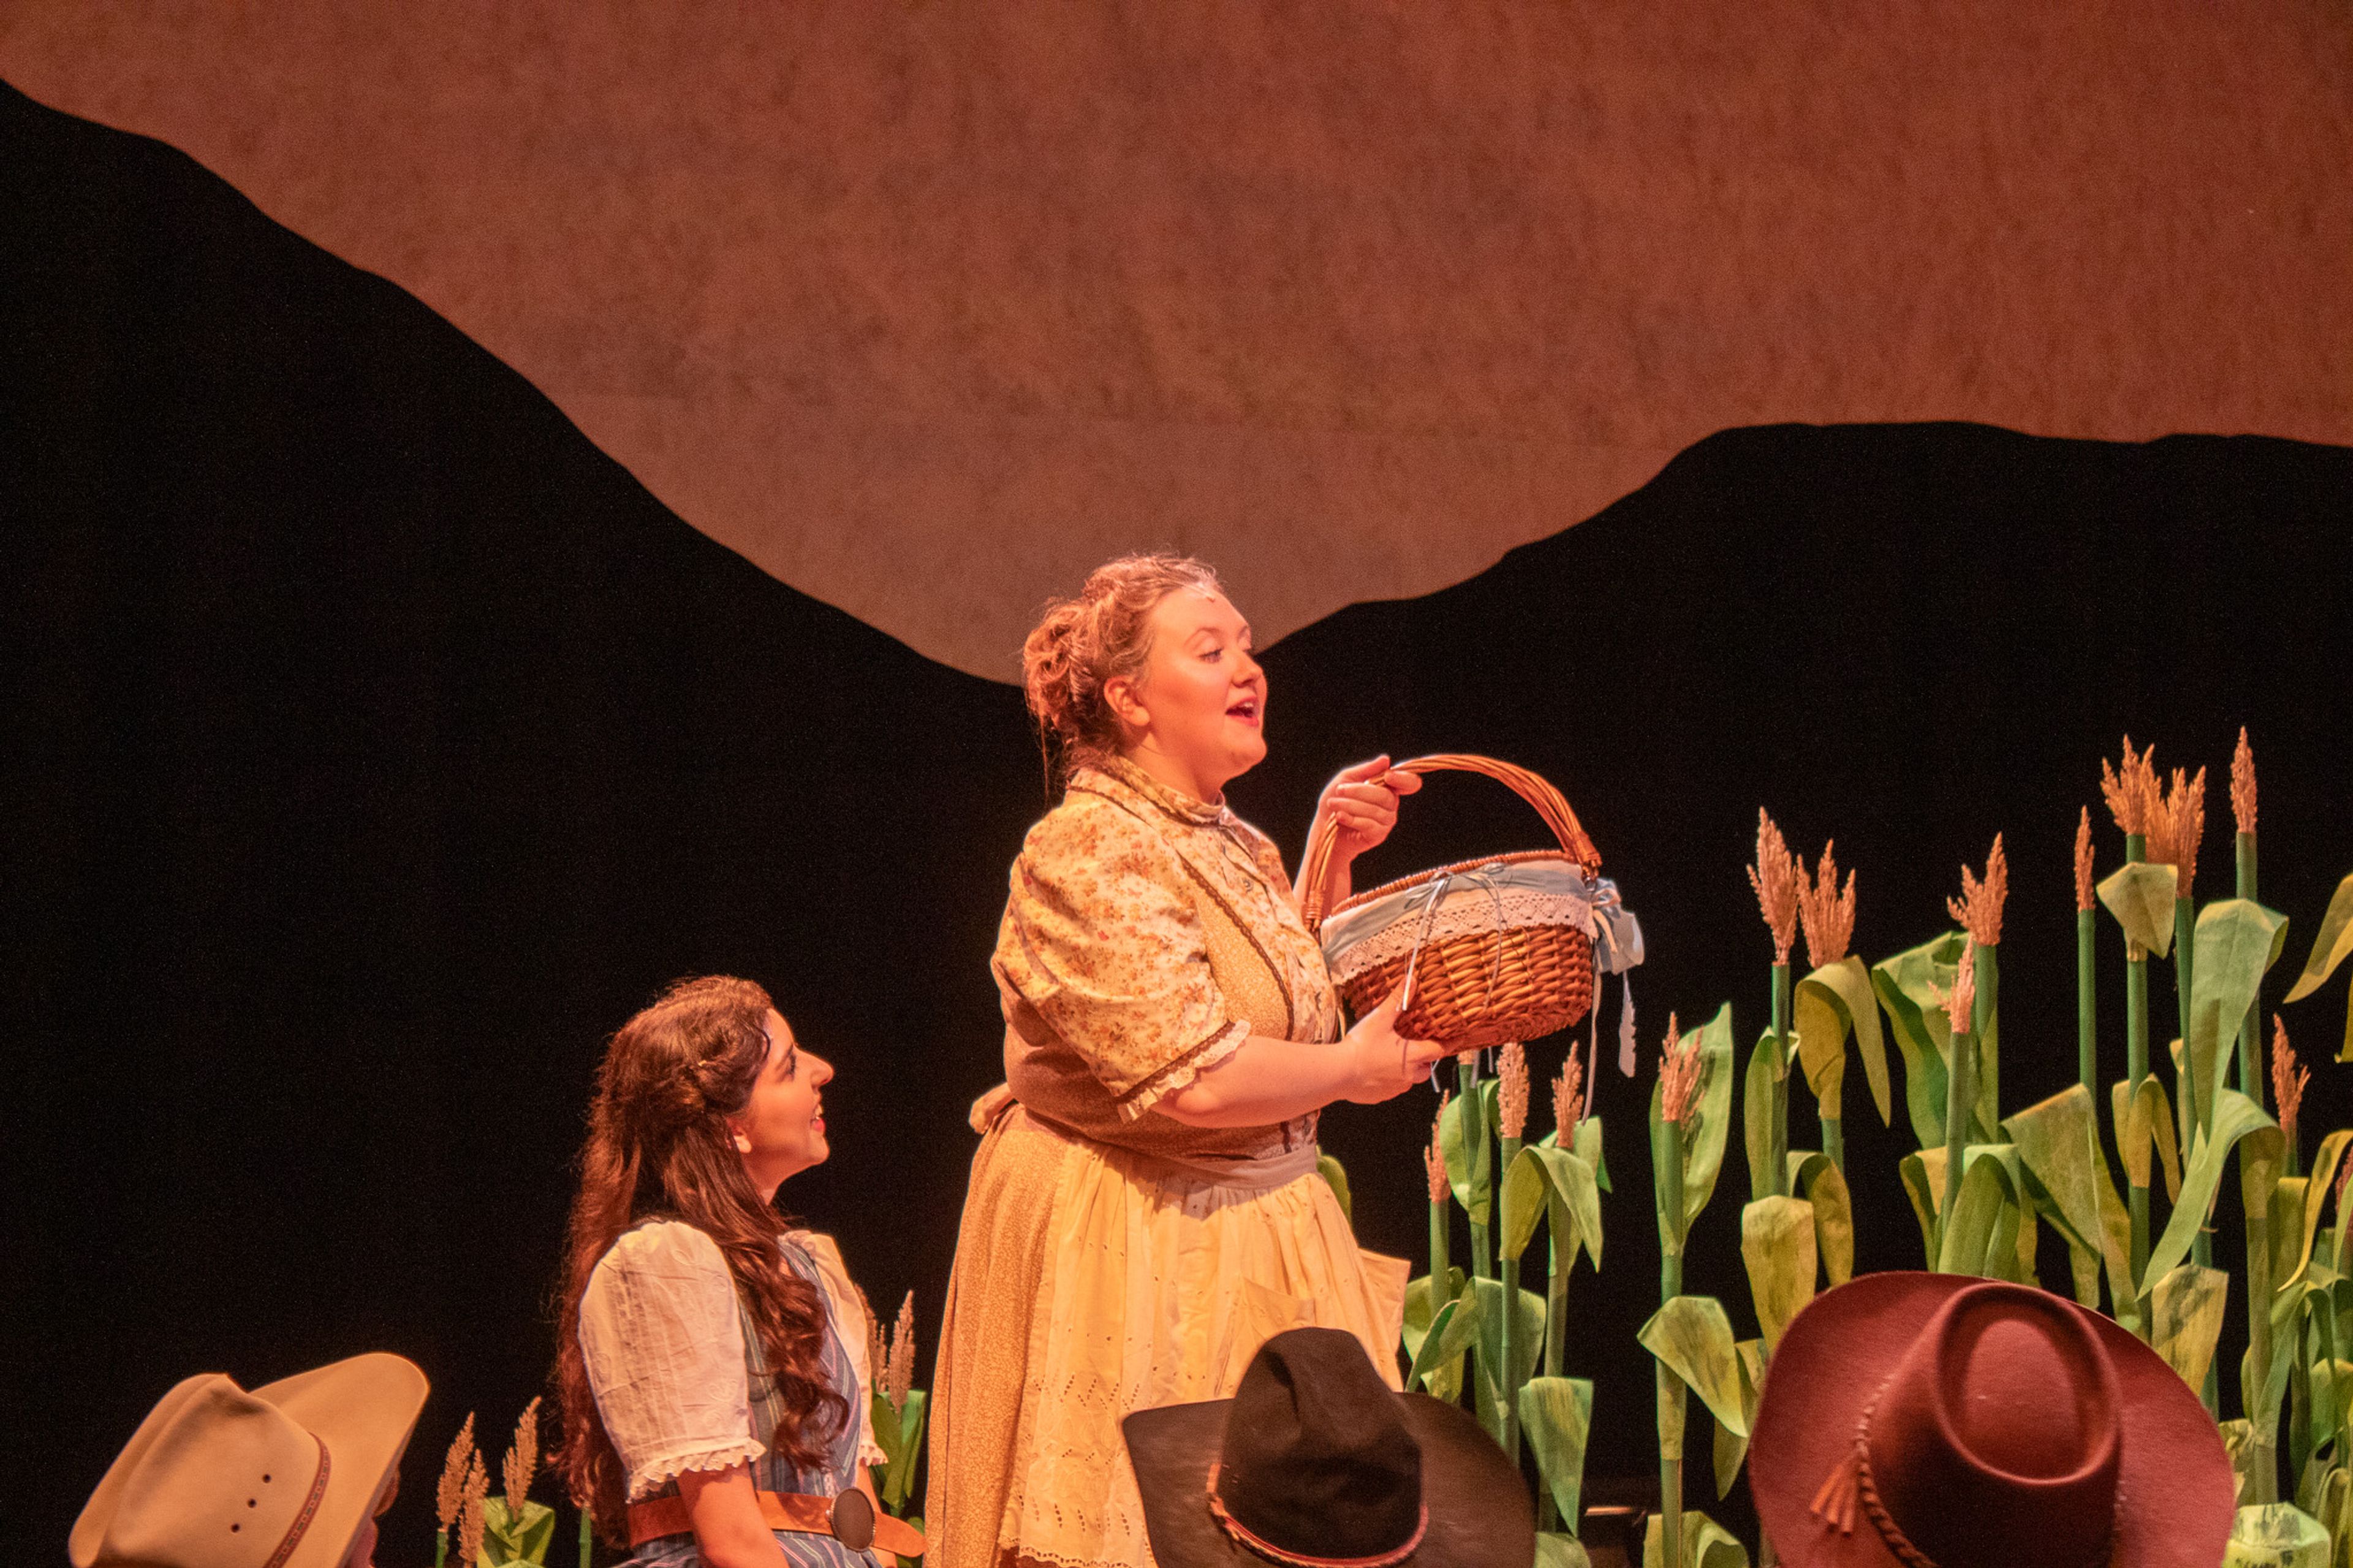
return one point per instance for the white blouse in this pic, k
(664, 1344)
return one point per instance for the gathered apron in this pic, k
(1092, 1281)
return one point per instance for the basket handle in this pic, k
(1549, 803)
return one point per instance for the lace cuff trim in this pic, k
(870, 1453)
(654, 1473)
(1180, 1073)
(1478, 912)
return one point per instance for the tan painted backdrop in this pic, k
(927, 307)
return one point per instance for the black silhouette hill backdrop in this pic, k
(375, 746)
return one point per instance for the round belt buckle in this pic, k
(853, 1520)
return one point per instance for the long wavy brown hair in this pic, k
(659, 1145)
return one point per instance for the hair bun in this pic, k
(1080, 644)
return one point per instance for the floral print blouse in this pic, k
(1145, 936)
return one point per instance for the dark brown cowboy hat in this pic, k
(1943, 1421)
(1315, 1462)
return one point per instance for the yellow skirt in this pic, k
(1091, 1282)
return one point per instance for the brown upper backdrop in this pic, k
(927, 307)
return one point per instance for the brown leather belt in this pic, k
(799, 1511)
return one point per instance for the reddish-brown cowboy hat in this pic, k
(1316, 1464)
(1943, 1421)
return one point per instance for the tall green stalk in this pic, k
(2197, 1098)
(2251, 1043)
(1673, 1397)
(1474, 1138)
(1957, 1123)
(2196, 1101)
(2263, 1463)
(1778, 1166)
(2136, 1073)
(1556, 1351)
(1508, 1332)
(2087, 1063)
(1988, 976)
(587, 1537)
(1441, 1266)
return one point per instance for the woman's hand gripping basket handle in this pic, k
(1549, 801)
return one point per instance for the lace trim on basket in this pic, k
(660, 1472)
(1467, 912)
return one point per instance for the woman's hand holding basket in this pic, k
(1388, 1063)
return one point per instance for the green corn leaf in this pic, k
(2330, 943)
(898, 1481)
(1706, 1544)
(1926, 1199)
(1777, 1243)
(1923, 1034)
(1552, 1181)
(523, 1536)
(1694, 1338)
(1823, 1184)
(2186, 1319)
(2236, 942)
(2315, 1199)
(1731, 1448)
(2066, 1177)
(1833, 1002)
(2235, 1117)
(2144, 1121)
(1556, 1414)
(1474, 1190)
(2238, 1442)
(1703, 1147)
(1587, 1145)
(1444, 1381)
(1981, 1237)
(1336, 1177)
(2276, 1535)
(2321, 1492)
(1705, 1126)
(1756, 1116)
(1452, 1331)
(1555, 1551)
(885, 1422)
(1527, 1344)
(2140, 894)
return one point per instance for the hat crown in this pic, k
(1997, 1436)
(1317, 1459)
(225, 1481)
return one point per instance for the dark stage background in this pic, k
(375, 746)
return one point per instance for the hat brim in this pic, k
(362, 1409)
(1480, 1515)
(2178, 1494)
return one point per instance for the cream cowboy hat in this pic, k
(280, 1477)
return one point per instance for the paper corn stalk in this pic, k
(1690, 1336)
(898, 1410)
(1477, 1333)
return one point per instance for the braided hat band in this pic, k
(1851, 1483)
(1243, 1536)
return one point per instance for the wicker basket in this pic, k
(1486, 987)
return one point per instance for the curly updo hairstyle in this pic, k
(659, 1144)
(1084, 643)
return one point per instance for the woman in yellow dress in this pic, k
(1145, 1208)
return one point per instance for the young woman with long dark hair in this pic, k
(712, 1362)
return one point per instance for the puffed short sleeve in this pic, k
(663, 1341)
(1101, 939)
